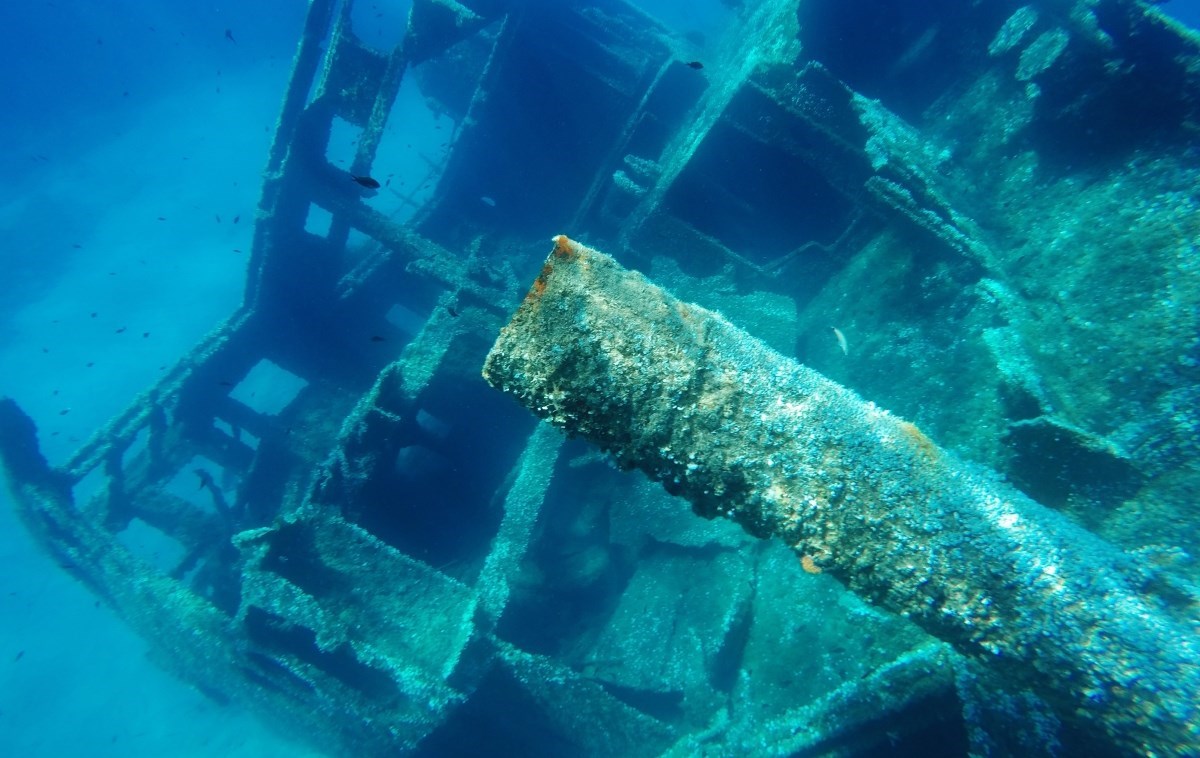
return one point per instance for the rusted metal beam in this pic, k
(745, 433)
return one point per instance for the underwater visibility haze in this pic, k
(600, 378)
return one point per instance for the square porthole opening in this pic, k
(343, 143)
(152, 545)
(268, 389)
(201, 482)
(380, 25)
(318, 221)
(236, 434)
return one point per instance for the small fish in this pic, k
(489, 202)
(695, 64)
(377, 338)
(20, 655)
(237, 218)
(121, 330)
(841, 340)
(366, 181)
(229, 36)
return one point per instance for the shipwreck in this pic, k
(987, 225)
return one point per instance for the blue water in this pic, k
(1187, 11)
(117, 114)
(135, 134)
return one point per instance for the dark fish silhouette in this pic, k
(206, 479)
(377, 338)
(365, 181)
(695, 64)
(229, 36)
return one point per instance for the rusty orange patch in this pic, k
(539, 285)
(918, 439)
(564, 247)
(809, 565)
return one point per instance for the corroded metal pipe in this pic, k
(745, 433)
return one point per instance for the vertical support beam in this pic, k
(522, 503)
(304, 68)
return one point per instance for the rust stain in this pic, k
(809, 565)
(565, 248)
(539, 285)
(919, 440)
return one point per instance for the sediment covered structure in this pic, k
(992, 202)
(744, 433)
